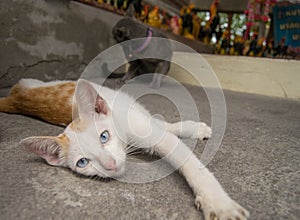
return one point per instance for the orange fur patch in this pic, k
(64, 141)
(50, 103)
(7, 105)
(78, 125)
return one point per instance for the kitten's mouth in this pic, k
(119, 172)
(113, 173)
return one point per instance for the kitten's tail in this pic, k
(7, 105)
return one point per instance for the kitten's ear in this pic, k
(52, 149)
(88, 100)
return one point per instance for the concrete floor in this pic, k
(257, 164)
(271, 77)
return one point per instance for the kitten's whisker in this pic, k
(134, 153)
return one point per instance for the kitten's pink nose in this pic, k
(111, 165)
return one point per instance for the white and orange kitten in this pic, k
(105, 122)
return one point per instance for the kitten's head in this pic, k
(90, 144)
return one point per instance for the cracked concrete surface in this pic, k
(50, 40)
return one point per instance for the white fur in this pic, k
(130, 123)
(35, 83)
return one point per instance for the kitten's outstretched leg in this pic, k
(210, 196)
(187, 129)
(190, 129)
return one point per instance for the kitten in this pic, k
(92, 145)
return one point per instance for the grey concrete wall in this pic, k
(50, 39)
(237, 6)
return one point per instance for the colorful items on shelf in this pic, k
(145, 13)
(187, 21)
(154, 18)
(175, 27)
(257, 11)
(196, 26)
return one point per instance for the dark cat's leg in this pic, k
(132, 70)
(161, 69)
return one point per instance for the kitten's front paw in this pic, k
(228, 210)
(203, 132)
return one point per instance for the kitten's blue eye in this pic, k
(104, 136)
(83, 162)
